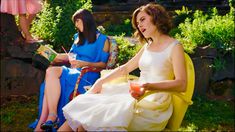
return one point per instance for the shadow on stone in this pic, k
(18, 75)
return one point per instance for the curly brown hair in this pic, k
(160, 18)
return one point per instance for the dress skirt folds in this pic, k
(115, 110)
(110, 110)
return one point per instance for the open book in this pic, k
(47, 52)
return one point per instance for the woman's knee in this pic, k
(54, 72)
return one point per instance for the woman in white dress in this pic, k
(108, 107)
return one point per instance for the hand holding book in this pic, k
(47, 52)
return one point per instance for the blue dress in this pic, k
(91, 52)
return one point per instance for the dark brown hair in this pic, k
(89, 26)
(160, 18)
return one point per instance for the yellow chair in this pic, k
(181, 101)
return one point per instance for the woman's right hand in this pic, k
(96, 87)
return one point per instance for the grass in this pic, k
(204, 114)
(209, 115)
(18, 112)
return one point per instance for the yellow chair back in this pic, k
(182, 100)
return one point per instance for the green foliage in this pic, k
(218, 64)
(207, 29)
(101, 29)
(181, 15)
(231, 3)
(124, 28)
(54, 22)
(126, 49)
(8, 117)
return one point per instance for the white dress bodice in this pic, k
(156, 66)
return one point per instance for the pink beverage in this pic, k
(135, 89)
(135, 86)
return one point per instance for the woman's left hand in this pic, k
(81, 63)
(78, 63)
(137, 93)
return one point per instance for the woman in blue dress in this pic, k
(92, 49)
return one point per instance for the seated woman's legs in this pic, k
(51, 95)
(44, 114)
(52, 90)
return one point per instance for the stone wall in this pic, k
(18, 75)
(208, 80)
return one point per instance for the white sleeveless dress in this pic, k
(115, 110)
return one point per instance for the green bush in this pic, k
(207, 29)
(181, 15)
(123, 28)
(54, 22)
(126, 49)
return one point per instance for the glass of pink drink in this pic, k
(135, 89)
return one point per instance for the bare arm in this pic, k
(180, 81)
(117, 72)
(61, 58)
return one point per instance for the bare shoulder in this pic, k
(178, 46)
(177, 51)
(106, 45)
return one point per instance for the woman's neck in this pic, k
(159, 39)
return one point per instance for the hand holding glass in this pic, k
(135, 89)
(72, 57)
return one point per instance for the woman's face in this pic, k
(145, 24)
(79, 25)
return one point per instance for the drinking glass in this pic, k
(72, 56)
(87, 87)
(135, 87)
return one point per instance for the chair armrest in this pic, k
(83, 72)
(180, 95)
